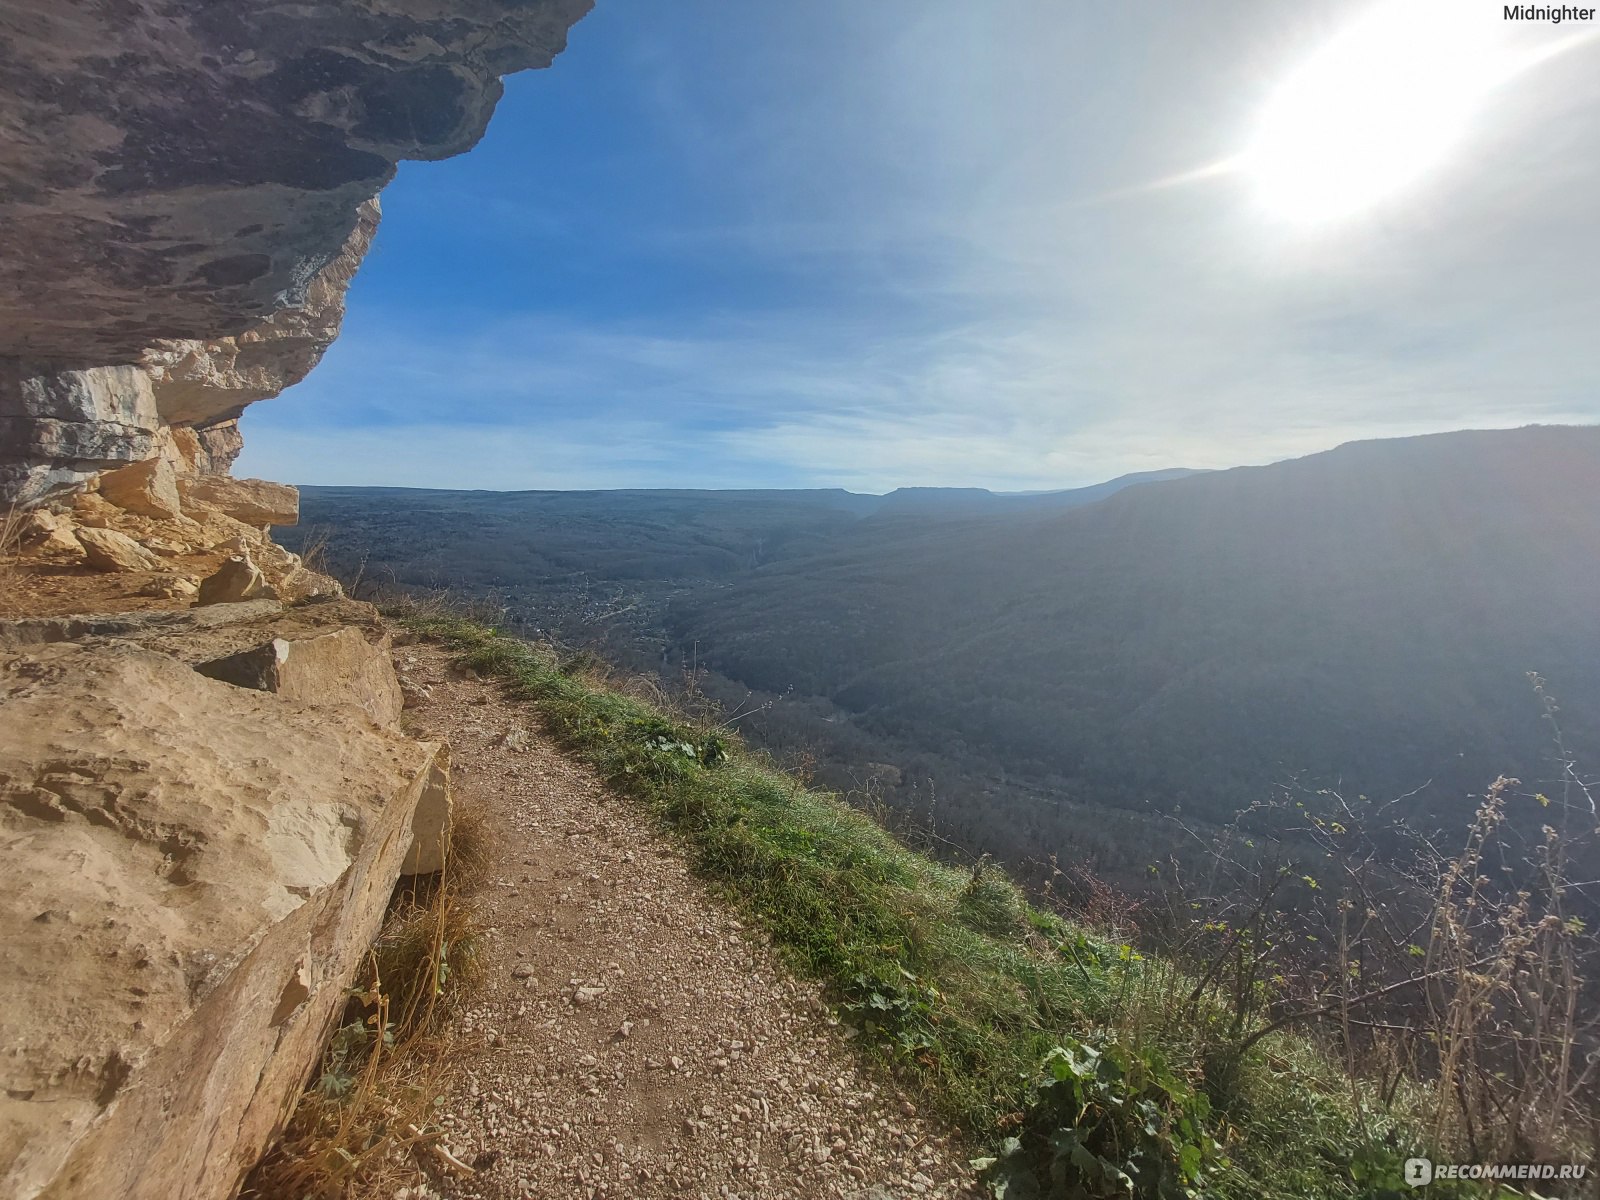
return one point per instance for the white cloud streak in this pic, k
(1001, 309)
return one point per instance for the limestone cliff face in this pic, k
(204, 790)
(60, 427)
(184, 189)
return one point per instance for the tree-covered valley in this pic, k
(1081, 675)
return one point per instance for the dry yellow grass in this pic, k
(364, 1128)
(11, 521)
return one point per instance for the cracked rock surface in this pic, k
(193, 872)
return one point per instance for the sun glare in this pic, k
(1375, 109)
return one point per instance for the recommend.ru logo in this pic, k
(1422, 1171)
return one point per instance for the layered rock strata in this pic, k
(61, 427)
(194, 870)
(185, 192)
(197, 859)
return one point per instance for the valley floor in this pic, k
(633, 1037)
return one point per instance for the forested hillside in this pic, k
(1045, 679)
(1367, 614)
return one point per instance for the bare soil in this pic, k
(634, 1037)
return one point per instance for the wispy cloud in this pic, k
(874, 245)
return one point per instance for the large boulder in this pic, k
(46, 534)
(194, 872)
(337, 669)
(238, 579)
(146, 489)
(290, 577)
(108, 550)
(252, 501)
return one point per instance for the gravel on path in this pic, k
(633, 1037)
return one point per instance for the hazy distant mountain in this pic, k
(1043, 663)
(979, 501)
(478, 539)
(1366, 614)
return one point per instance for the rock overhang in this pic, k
(184, 169)
(187, 187)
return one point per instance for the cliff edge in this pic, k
(205, 793)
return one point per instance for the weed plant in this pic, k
(1084, 1066)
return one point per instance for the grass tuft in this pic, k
(1062, 1048)
(12, 572)
(364, 1128)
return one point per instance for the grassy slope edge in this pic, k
(1057, 1047)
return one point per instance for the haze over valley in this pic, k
(1054, 674)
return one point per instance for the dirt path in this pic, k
(635, 1039)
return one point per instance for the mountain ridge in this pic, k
(1364, 614)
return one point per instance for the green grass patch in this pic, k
(1068, 1056)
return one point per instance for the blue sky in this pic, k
(920, 242)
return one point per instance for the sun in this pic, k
(1372, 112)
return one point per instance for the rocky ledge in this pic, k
(205, 795)
(195, 870)
(185, 192)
